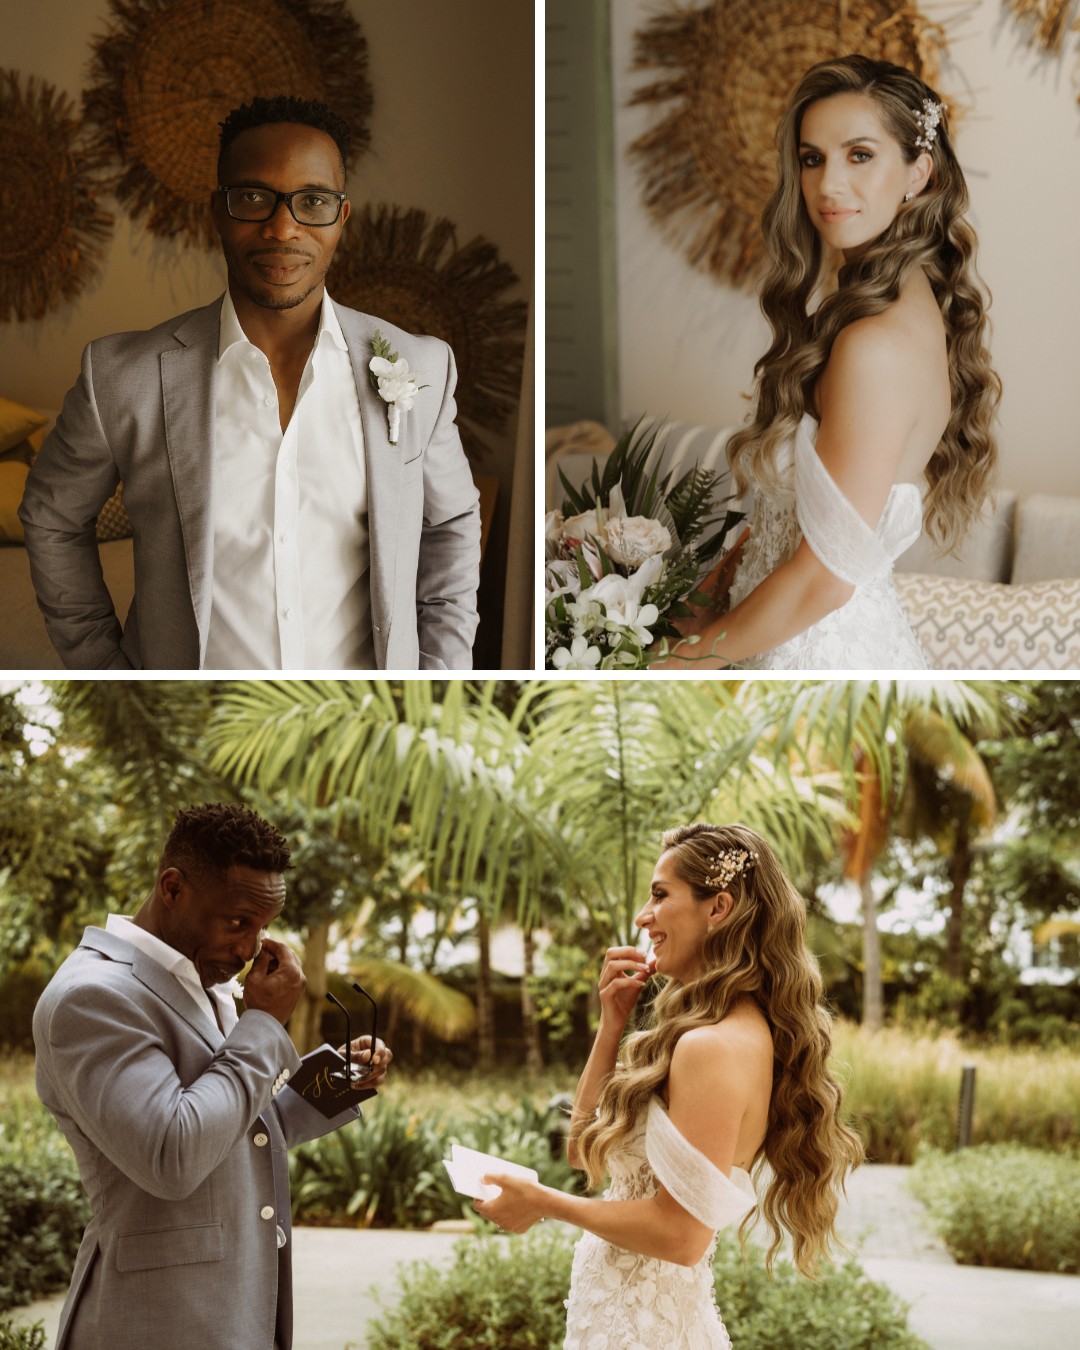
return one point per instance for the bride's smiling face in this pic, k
(676, 922)
(854, 175)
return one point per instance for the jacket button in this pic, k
(286, 1074)
(261, 1140)
(267, 1212)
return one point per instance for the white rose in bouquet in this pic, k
(553, 525)
(632, 540)
(576, 529)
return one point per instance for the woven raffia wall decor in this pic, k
(168, 72)
(405, 266)
(51, 224)
(1046, 22)
(727, 70)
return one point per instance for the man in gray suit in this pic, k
(178, 1111)
(292, 508)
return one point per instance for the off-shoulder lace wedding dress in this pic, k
(871, 631)
(622, 1301)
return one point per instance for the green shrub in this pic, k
(43, 1211)
(843, 1309)
(1003, 1205)
(508, 1293)
(499, 1294)
(388, 1172)
(21, 1338)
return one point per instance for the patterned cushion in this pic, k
(17, 422)
(984, 625)
(113, 521)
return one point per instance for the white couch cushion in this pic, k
(982, 625)
(985, 554)
(1047, 539)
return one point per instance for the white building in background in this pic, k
(1050, 952)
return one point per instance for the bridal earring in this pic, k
(908, 196)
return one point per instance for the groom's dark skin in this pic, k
(277, 267)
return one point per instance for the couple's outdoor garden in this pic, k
(467, 851)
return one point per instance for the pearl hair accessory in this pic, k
(927, 121)
(728, 864)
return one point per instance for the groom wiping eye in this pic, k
(292, 507)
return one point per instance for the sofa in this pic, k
(1009, 600)
(24, 643)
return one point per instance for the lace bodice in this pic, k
(620, 1300)
(871, 631)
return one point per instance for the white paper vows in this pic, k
(466, 1166)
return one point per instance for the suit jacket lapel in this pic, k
(188, 374)
(383, 462)
(158, 980)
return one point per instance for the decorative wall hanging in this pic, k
(1046, 22)
(405, 266)
(727, 71)
(169, 71)
(51, 224)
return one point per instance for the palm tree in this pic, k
(876, 733)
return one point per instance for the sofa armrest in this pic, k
(1047, 539)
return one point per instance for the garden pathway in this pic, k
(952, 1307)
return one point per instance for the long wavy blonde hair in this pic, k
(759, 951)
(929, 232)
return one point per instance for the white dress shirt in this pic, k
(218, 1000)
(291, 548)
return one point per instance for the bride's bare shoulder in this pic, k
(742, 1039)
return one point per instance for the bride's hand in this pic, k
(518, 1205)
(622, 980)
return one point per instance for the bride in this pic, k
(884, 387)
(731, 1074)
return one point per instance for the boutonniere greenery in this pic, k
(393, 381)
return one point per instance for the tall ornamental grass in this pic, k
(902, 1092)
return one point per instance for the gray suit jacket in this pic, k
(142, 413)
(180, 1134)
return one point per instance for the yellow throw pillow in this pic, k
(17, 422)
(12, 483)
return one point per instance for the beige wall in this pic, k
(1021, 154)
(451, 132)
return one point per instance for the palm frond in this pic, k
(438, 756)
(444, 1011)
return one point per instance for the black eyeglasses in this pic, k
(314, 206)
(352, 1071)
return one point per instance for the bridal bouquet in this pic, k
(625, 556)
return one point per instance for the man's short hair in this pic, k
(209, 839)
(261, 112)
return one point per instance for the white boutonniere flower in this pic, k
(395, 383)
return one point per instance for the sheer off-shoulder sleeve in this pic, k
(838, 535)
(686, 1174)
